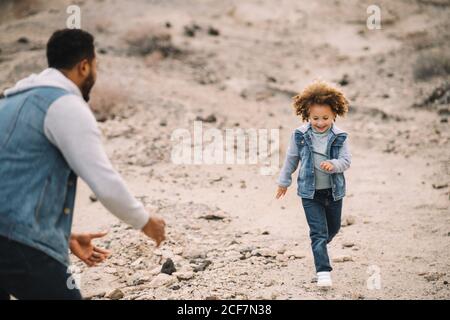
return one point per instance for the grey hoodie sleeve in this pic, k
(344, 159)
(72, 128)
(290, 163)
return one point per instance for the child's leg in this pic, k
(317, 221)
(333, 211)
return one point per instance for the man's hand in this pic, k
(155, 229)
(327, 166)
(82, 247)
(281, 192)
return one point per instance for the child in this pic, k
(323, 152)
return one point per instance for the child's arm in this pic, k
(290, 164)
(343, 161)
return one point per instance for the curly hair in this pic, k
(323, 94)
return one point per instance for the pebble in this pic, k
(162, 280)
(342, 258)
(115, 294)
(168, 267)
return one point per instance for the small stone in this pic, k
(282, 258)
(186, 275)
(218, 215)
(194, 254)
(155, 271)
(265, 252)
(294, 254)
(210, 119)
(439, 185)
(177, 250)
(116, 294)
(213, 32)
(163, 123)
(348, 221)
(110, 270)
(168, 267)
(93, 198)
(23, 40)
(348, 244)
(162, 280)
(202, 266)
(137, 262)
(342, 259)
(433, 276)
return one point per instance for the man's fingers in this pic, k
(103, 251)
(98, 234)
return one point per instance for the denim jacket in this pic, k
(300, 150)
(37, 186)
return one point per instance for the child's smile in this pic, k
(321, 117)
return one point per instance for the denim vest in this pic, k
(305, 180)
(37, 186)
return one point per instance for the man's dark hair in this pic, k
(67, 47)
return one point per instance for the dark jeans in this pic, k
(324, 219)
(27, 273)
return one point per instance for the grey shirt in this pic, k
(319, 146)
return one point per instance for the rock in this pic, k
(247, 249)
(282, 258)
(433, 276)
(213, 31)
(295, 254)
(168, 267)
(177, 250)
(116, 294)
(23, 40)
(439, 185)
(110, 270)
(348, 244)
(342, 259)
(93, 198)
(202, 266)
(210, 119)
(212, 298)
(137, 262)
(162, 280)
(218, 215)
(155, 271)
(184, 275)
(348, 221)
(194, 254)
(163, 123)
(344, 80)
(265, 252)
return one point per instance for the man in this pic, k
(49, 137)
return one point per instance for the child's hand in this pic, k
(327, 166)
(281, 192)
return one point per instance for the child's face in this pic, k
(321, 117)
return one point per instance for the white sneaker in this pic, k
(324, 279)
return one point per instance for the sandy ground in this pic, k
(163, 64)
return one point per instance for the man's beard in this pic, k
(87, 86)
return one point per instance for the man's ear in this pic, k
(84, 68)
